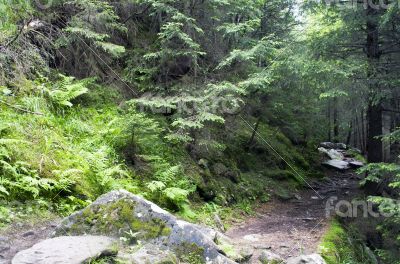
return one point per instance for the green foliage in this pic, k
(66, 90)
(337, 247)
(378, 171)
(171, 187)
(60, 155)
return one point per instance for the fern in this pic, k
(64, 91)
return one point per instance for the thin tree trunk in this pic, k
(374, 145)
(363, 132)
(254, 133)
(329, 121)
(349, 133)
(359, 137)
(335, 120)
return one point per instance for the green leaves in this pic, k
(333, 94)
(67, 89)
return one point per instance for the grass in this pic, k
(339, 246)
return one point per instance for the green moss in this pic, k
(190, 253)
(117, 218)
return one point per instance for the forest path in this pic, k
(20, 236)
(294, 227)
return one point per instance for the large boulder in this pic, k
(119, 213)
(306, 259)
(65, 250)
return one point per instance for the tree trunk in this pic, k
(335, 120)
(374, 117)
(363, 132)
(329, 120)
(251, 140)
(349, 132)
(374, 145)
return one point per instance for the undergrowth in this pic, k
(64, 142)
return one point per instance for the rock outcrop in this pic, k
(339, 157)
(122, 214)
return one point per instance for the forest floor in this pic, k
(288, 228)
(294, 227)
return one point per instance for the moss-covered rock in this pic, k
(122, 214)
(147, 254)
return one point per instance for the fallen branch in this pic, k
(21, 109)
(17, 35)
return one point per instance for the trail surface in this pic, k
(20, 236)
(294, 227)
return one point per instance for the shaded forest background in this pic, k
(199, 105)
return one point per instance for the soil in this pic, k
(20, 236)
(294, 227)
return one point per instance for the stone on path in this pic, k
(331, 145)
(332, 153)
(337, 164)
(267, 256)
(65, 250)
(356, 164)
(4, 244)
(306, 259)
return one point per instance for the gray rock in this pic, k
(147, 254)
(335, 154)
(341, 146)
(332, 153)
(118, 212)
(331, 145)
(267, 257)
(327, 145)
(337, 164)
(29, 233)
(65, 250)
(356, 164)
(306, 259)
(4, 244)
(218, 223)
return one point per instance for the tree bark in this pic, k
(350, 130)
(374, 117)
(335, 120)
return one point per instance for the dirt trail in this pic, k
(20, 236)
(294, 227)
